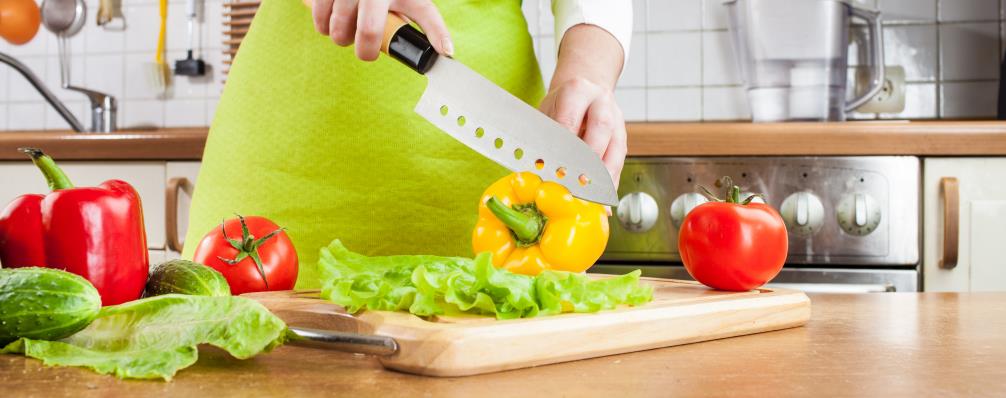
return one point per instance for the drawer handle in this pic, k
(950, 193)
(175, 184)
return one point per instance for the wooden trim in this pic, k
(935, 138)
(175, 186)
(240, 12)
(162, 144)
(951, 198)
(939, 138)
(242, 4)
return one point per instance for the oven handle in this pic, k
(950, 193)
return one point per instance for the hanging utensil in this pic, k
(190, 66)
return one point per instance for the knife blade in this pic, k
(495, 123)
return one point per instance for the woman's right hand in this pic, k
(362, 22)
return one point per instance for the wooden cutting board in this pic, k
(681, 312)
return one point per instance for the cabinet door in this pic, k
(182, 198)
(981, 265)
(18, 178)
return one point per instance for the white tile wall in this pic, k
(117, 62)
(681, 64)
(685, 67)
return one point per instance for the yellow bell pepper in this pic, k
(529, 226)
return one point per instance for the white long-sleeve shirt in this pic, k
(614, 16)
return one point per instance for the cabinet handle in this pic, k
(950, 192)
(175, 184)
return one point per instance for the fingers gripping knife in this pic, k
(495, 123)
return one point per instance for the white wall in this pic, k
(681, 66)
(115, 62)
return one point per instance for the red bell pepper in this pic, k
(94, 232)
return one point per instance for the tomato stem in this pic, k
(733, 192)
(247, 247)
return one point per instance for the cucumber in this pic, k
(186, 277)
(44, 303)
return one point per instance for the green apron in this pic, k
(328, 146)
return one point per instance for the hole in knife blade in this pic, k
(499, 143)
(461, 120)
(539, 164)
(584, 180)
(560, 172)
(518, 153)
(443, 110)
(479, 132)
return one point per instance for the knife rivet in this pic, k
(499, 143)
(479, 132)
(461, 120)
(443, 110)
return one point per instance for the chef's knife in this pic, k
(495, 123)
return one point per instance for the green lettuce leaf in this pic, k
(432, 285)
(157, 336)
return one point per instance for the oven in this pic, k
(853, 222)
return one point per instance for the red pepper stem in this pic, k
(526, 225)
(54, 176)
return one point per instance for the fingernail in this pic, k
(448, 46)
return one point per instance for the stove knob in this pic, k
(683, 204)
(637, 212)
(803, 213)
(858, 214)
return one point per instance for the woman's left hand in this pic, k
(589, 110)
(580, 96)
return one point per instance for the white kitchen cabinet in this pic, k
(21, 177)
(181, 179)
(156, 257)
(979, 227)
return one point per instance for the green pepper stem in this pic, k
(54, 176)
(526, 227)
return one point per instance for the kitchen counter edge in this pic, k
(920, 138)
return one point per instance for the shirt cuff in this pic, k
(614, 16)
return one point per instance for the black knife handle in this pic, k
(408, 45)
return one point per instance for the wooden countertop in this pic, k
(161, 144)
(891, 344)
(921, 138)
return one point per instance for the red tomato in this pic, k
(255, 255)
(732, 246)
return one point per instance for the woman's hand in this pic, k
(362, 22)
(580, 96)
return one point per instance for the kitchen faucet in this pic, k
(103, 106)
